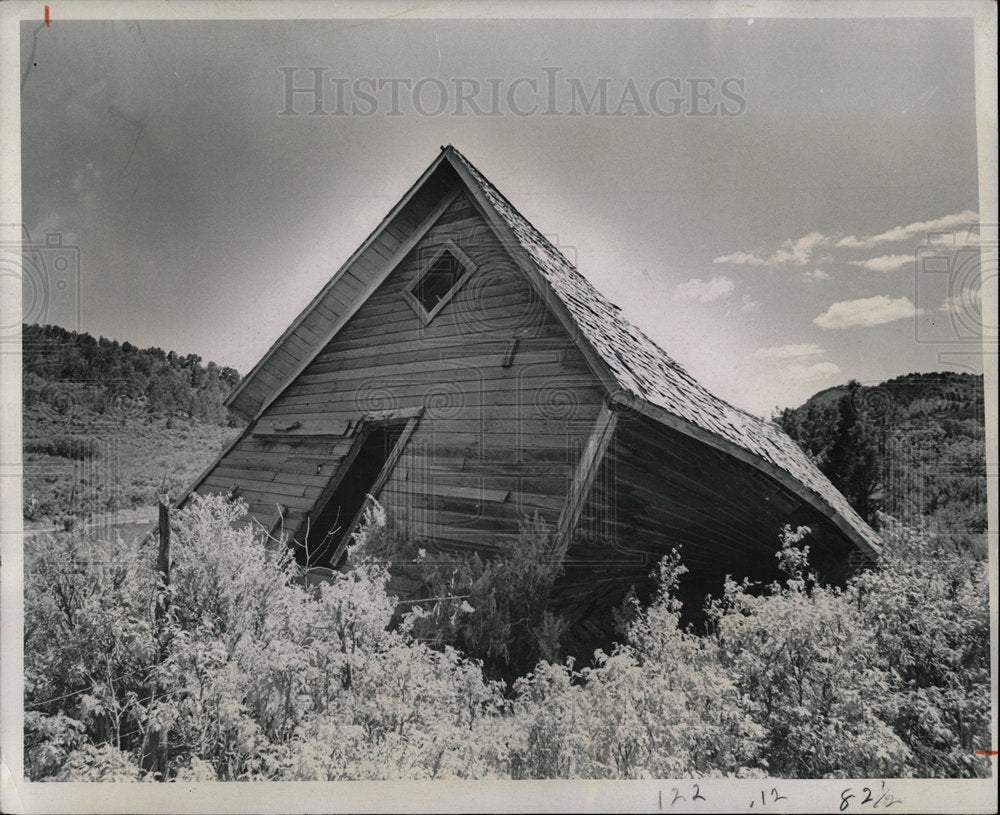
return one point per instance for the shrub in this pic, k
(659, 706)
(808, 667)
(102, 762)
(886, 677)
(496, 608)
(927, 608)
(89, 646)
(248, 674)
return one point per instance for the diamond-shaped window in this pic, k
(439, 280)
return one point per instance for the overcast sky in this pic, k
(772, 245)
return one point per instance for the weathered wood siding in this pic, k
(494, 443)
(659, 489)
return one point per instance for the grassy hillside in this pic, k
(107, 425)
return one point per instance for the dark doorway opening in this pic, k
(328, 526)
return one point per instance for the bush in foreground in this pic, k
(237, 671)
(249, 674)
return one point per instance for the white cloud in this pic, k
(705, 291)
(818, 370)
(885, 263)
(866, 312)
(814, 275)
(798, 252)
(742, 259)
(901, 233)
(808, 349)
(802, 251)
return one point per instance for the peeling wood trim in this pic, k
(391, 415)
(586, 471)
(508, 355)
(299, 430)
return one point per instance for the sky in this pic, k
(771, 200)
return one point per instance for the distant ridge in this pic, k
(958, 394)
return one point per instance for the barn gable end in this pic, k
(501, 400)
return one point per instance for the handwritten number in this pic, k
(697, 796)
(775, 796)
(678, 797)
(886, 798)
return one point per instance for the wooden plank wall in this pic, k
(494, 443)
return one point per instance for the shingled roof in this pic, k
(630, 364)
(646, 372)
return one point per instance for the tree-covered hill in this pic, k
(957, 394)
(99, 373)
(913, 447)
(108, 425)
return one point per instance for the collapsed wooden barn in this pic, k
(461, 370)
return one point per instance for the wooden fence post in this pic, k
(163, 557)
(155, 754)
